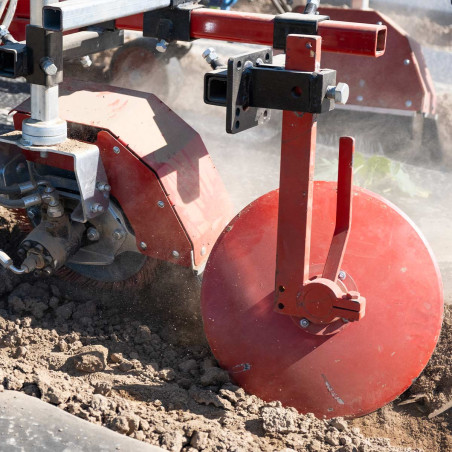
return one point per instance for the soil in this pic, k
(139, 364)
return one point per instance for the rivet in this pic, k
(408, 103)
(175, 254)
(304, 323)
(359, 98)
(342, 275)
(161, 204)
(116, 150)
(406, 62)
(143, 245)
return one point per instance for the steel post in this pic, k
(44, 127)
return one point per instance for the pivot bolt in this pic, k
(338, 93)
(118, 234)
(304, 323)
(93, 234)
(161, 46)
(48, 66)
(97, 208)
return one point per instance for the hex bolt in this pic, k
(103, 186)
(342, 275)
(210, 55)
(175, 254)
(116, 150)
(304, 323)
(161, 204)
(143, 246)
(48, 66)
(86, 61)
(338, 93)
(93, 234)
(97, 208)
(118, 234)
(161, 46)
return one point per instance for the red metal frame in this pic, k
(339, 37)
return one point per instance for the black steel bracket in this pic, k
(170, 24)
(294, 24)
(43, 44)
(13, 60)
(251, 86)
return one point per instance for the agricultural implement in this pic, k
(305, 301)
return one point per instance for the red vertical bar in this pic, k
(299, 132)
(343, 209)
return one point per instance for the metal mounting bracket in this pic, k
(88, 168)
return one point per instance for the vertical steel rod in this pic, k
(45, 127)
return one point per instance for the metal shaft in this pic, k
(45, 127)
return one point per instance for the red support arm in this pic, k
(338, 37)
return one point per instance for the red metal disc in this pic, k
(362, 367)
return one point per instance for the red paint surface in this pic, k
(362, 367)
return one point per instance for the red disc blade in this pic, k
(362, 367)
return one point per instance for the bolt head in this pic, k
(304, 323)
(118, 234)
(116, 150)
(406, 62)
(161, 46)
(97, 208)
(210, 55)
(342, 275)
(408, 103)
(48, 66)
(86, 61)
(341, 93)
(92, 234)
(143, 245)
(203, 251)
(161, 204)
(175, 254)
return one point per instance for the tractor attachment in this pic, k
(305, 300)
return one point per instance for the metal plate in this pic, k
(239, 115)
(368, 363)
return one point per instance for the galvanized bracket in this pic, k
(88, 168)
